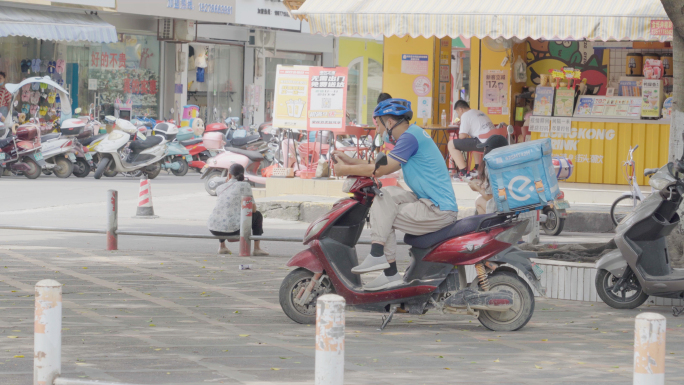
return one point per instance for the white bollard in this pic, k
(649, 349)
(47, 333)
(330, 340)
(112, 219)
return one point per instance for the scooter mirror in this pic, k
(172, 110)
(510, 129)
(78, 110)
(378, 142)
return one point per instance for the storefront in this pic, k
(596, 129)
(51, 43)
(364, 58)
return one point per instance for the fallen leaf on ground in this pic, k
(18, 356)
(545, 339)
(244, 335)
(496, 360)
(153, 325)
(285, 358)
(275, 368)
(537, 366)
(12, 337)
(447, 368)
(438, 340)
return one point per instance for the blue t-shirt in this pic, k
(425, 171)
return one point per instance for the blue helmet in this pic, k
(394, 107)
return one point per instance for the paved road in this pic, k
(179, 318)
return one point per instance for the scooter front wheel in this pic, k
(617, 293)
(102, 167)
(523, 304)
(294, 283)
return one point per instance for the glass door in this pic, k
(224, 83)
(282, 58)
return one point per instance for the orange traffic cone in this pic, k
(145, 209)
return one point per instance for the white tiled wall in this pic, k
(618, 56)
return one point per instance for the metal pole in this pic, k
(330, 340)
(649, 349)
(112, 219)
(246, 226)
(47, 332)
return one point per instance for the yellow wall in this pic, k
(490, 60)
(400, 85)
(349, 50)
(600, 159)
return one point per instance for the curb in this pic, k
(577, 221)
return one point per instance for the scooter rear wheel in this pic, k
(293, 283)
(211, 190)
(35, 169)
(152, 171)
(519, 314)
(554, 223)
(63, 168)
(183, 167)
(630, 296)
(81, 168)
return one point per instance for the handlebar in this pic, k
(376, 191)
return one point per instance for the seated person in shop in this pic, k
(485, 203)
(473, 124)
(430, 207)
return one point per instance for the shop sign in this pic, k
(265, 13)
(422, 86)
(580, 138)
(414, 64)
(561, 125)
(222, 11)
(539, 124)
(291, 97)
(661, 28)
(327, 98)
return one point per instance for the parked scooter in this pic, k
(216, 168)
(436, 278)
(640, 266)
(177, 156)
(552, 219)
(60, 150)
(143, 154)
(20, 152)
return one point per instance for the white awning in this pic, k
(57, 26)
(539, 19)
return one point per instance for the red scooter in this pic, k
(198, 150)
(436, 278)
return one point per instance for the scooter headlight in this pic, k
(314, 230)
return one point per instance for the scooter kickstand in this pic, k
(387, 318)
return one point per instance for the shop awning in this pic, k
(545, 19)
(59, 26)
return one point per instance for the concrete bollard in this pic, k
(330, 340)
(112, 219)
(649, 349)
(47, 333)
(246, 226)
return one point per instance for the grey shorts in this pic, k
(468, 144)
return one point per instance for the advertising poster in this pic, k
(651, 96)
(414, 64)
(585, 106)
(565, 102)
(291, 97)
(599, 108)
(543, 101)
(327, 98)
(495, 84)
(422, 86)
(425, 107)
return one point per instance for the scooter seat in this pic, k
(239, 142)
(252, 155)
(139, 145)
(88, 141)
(458, 228)
(190, 142)
(47, 137)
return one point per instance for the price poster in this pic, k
(291, 98)
(565, 102)
(327, 98)
(585, 106)
(540, 124)
(495, 85)
(561, 125)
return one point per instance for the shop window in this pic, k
(374, 87)
(119, 72)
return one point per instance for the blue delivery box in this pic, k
(522, 176)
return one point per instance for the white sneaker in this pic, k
(371, 263)
(383, 282)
